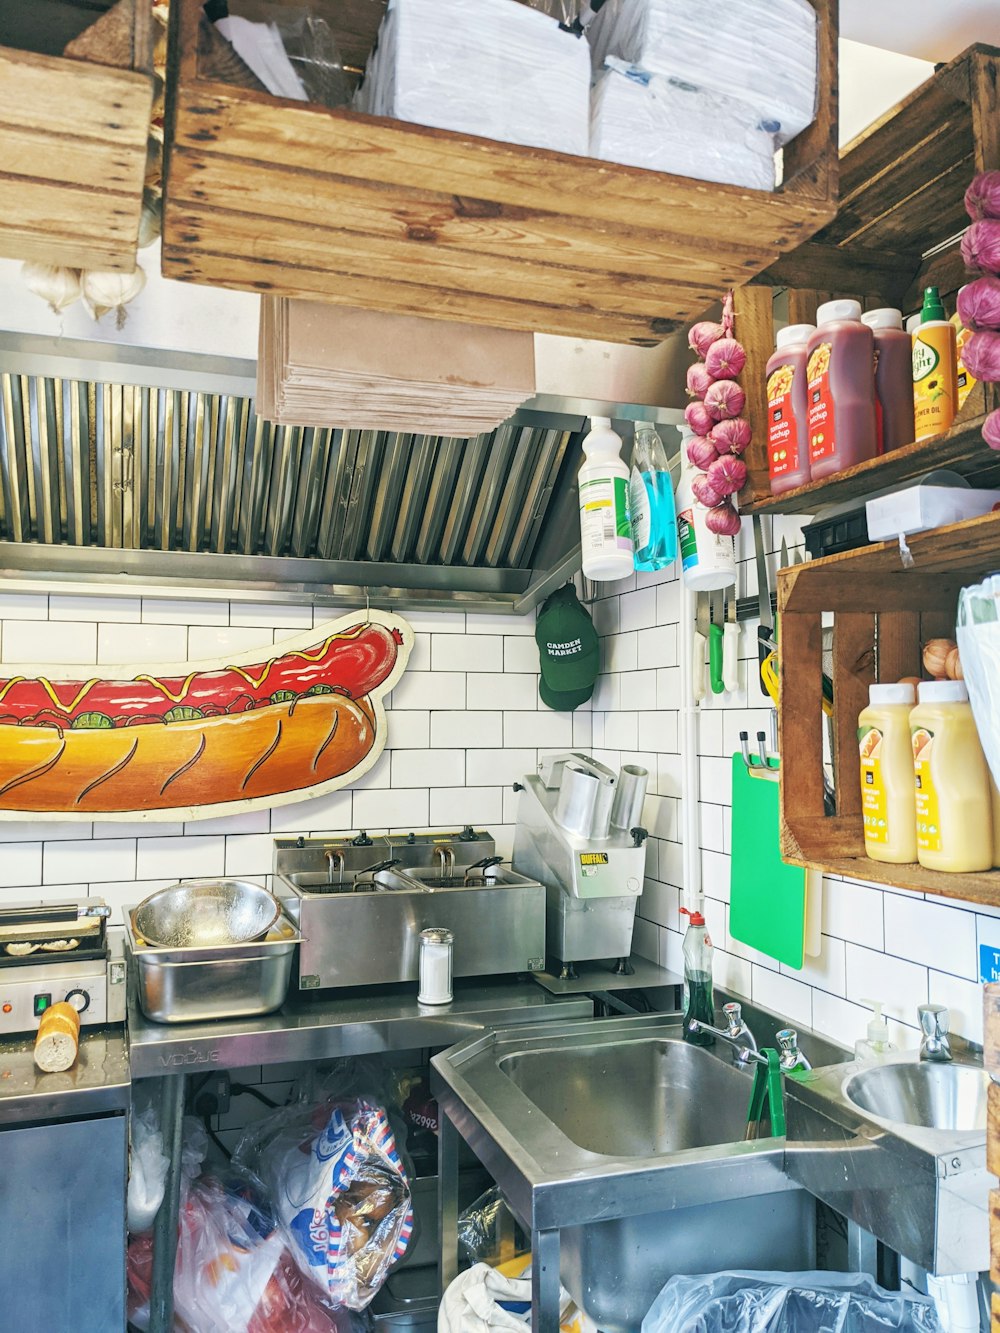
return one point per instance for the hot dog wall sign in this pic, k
(263, 728)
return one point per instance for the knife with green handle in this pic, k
(731, 644)
(715, 643)
(701, 631)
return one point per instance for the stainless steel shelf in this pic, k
(600, 977)
(326, 1026)
(98, 1083)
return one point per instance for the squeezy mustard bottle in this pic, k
(953, 798)
(888, 800)
(935, 381)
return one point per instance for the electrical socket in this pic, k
(213, 1095)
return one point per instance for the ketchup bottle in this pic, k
(893, 379)
(788, 409)
(841, 388)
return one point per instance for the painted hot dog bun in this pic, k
(207, 761)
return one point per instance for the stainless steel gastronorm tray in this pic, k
(190, 985)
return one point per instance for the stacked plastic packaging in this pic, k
(645, 120)
(715, 86)
(978, 637)
(506, 72)
(758, 52)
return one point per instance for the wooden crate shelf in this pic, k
(263, 194)
(902, 185)
(73, 156)
(882, 614)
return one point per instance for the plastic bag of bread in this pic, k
(340, 1191)
(233, 1269)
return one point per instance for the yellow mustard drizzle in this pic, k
(14, 680)
(304, 654)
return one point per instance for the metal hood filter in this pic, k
(109, 474)
(90, 470)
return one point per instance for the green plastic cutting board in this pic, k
(767, 898)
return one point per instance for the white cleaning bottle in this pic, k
(605, 529)
(651, 502)
(708, 559)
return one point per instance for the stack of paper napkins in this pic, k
(644, 120)
(323, 365)
(494, 68)
(758, 52)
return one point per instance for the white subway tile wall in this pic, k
(464, 723)
(898, 947)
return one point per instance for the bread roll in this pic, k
(58, 1041)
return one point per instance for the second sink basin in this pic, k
(635, 1099)
(925, 1094)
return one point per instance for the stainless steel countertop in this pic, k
(98, 1083)
(333, 1024)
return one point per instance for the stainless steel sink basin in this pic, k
(933, 1096)
(637, 1099)
(911, 1168)
(624, 1147)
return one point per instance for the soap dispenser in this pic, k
(876, 1046)
(699, 998)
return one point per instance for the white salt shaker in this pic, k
(435, 966)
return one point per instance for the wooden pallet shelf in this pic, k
(882, 614)
(902, 186)
(264, 194)
(73, 156)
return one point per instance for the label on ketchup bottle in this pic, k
(821, 424)
(782, 428)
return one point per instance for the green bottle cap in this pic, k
(932, 307)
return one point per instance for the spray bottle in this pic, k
(651, 502)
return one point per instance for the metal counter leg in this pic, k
(161, 1298)
(862, 1250)
(507, 1235)
(545, 1282)
(448, 1142)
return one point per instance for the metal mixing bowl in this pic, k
(205, 912)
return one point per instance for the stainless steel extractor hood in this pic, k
(149, 471)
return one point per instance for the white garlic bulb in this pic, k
(111, 291)
(60, 287)
(149, 219)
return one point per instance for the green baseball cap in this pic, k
(569, 651)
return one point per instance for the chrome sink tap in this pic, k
(791, 1057)
(736, 1032)
(934, 1023)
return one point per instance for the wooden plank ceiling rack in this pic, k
(264, 194)
(901, 214)
(73, 152)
